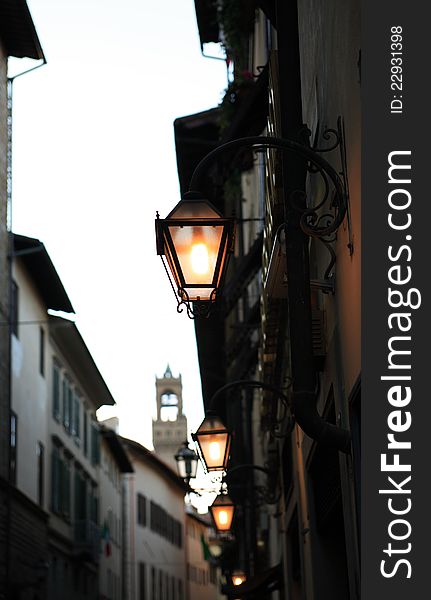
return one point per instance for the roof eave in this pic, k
(17, 31)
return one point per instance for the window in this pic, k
(56, 410)
(165, 525)
(94, 503)
(110, 582)
(13, 447)
(42, 352)
(14, 308)
(76, 424)
(80, 496)
(65, 492)
(95, 444)
(85, 431)
(60, 483)
(142, 582)
(40, 452)
(66, 397)
(213, 574)
(153, 583)
(70, 406)
(142, 510)
(55, 480)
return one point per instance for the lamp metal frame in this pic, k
(226, 454)
(166, 247)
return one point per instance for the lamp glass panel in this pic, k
(181, 465)
(194, 467)
(187, 463)
(172, 265)
(224, 254)
(197, 248)
(213, 448)
(191, 466)
(238, 577)
(222, 514)
(214, 442)
(193, 209)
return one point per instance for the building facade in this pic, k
(290, 316)
(56, 444)
(155, 534)
(18, 38)
(114, 463)
(202, 571)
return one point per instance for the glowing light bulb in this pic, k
(200, 259)
(214, 449)
(222, 517)
(237, 581)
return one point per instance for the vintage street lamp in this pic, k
(222, 511)
(196, 241)
(213, 442)
(187, 462)
(238, 577)
(212, 438)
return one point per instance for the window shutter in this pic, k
(66, 488)
(76, 416)
(70, 405)
(65, 404)
(56, 393)
(55, 481)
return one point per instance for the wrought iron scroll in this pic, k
(322, 217)
(193, 308)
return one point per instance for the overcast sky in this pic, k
(93, 159)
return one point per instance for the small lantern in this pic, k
(196, 241)
(187, 462)
(213, 441)
(238, 577)
(222, 511)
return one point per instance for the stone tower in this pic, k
(170, 426)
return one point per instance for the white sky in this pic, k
(93, 159)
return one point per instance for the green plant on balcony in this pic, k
(236, 20)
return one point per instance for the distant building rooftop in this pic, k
(158, 464)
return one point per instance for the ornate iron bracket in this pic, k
(320, 216)
(193, 309)
(266, 493)
(313, 221)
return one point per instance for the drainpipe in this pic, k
(304, 383)
(10, 81)
(298, 275)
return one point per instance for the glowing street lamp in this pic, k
(196, 241)
(213, 440)
(222, 511)
(238, 577)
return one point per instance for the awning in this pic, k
(265, 582)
